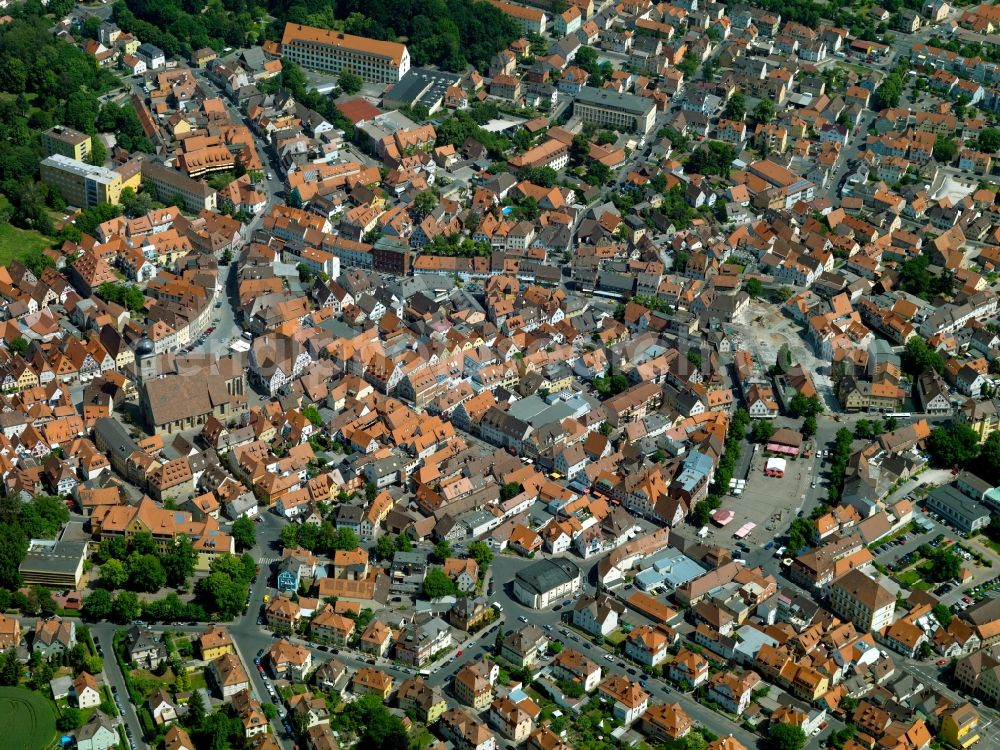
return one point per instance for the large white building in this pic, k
(626, 112)
(334, 51)
(541, 584)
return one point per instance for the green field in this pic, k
(16, 244)
(28, 720)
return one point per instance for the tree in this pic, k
(805, 406)
(244, 533)
(312, 414)
(944, 564)
(437, 584)
(13, 547)
(126, 607)
(989, 140)
(809, 426)
(195, 716)
(764, 112)
(11, 669)
(840, 737)
(384, 547)
(98, 605)
(70, 719)
(888, 93)
(619, 383)
(145, 572)
(423, 203)
(917, 357)
(18, 345)
(800, 534)
(221, 593)
(345, 539)
(289, 536)
(945, 148)
(787, 736)
(955, 445)
(694, 357)
(179, 562)
(736, 107)
(114, 574)
(701, 513)
(711, 158)
(482, 554)
(442, 550)
(128, 296)
(754, 288)
(510, 490)
(762, 430)
(942, 614)
(404, 543)
(375, 726)
(572, 688)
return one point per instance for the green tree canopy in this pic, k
(954, 445)
(98, 605)
(113, 574)
(787, 736)
(350, 83)
(244, 533)
(482, 554)
(736, 107)
(126, 607)
(128, 296)
(945, 148)
(437, 584)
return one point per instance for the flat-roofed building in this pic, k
(541, 584)
(58, 564)
(372, 59)
(66, 141)
(81, 184)
(625, 112)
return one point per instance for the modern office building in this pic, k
(334, 51)
(608, 108)
(66, 141)
(81, 184)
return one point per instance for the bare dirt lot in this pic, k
(764, 333)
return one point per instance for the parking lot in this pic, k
(768, 502)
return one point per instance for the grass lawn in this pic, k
(16, 244)
(615, 637)
(923, 585)
(908, 578)
(197, 679)
(28, 719)
(987, 542)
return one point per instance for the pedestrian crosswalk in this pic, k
(267, 560)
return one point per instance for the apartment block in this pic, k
(81, 184)
(319, 49)
(66, 141)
